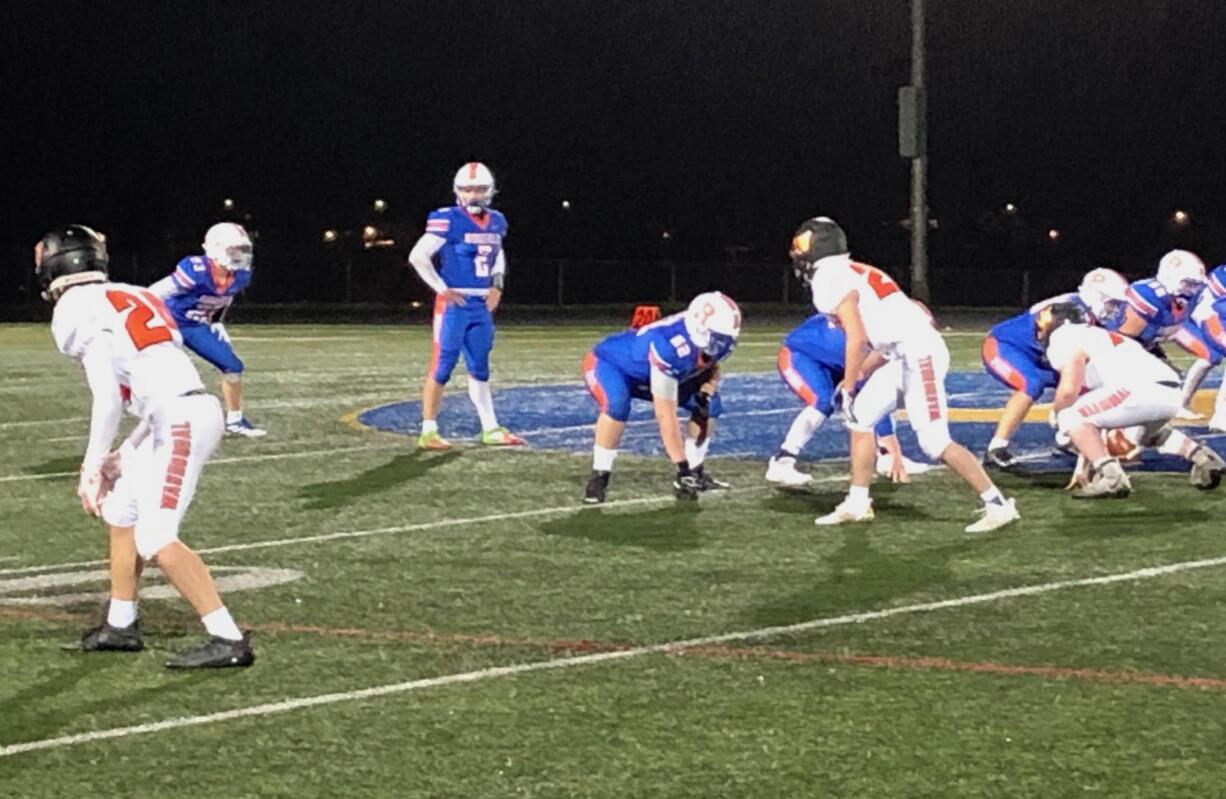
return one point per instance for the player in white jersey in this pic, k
(128, 345)
(1109, 381)
(892, 346)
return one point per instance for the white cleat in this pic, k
(782, 471)
(245, 428)
(1218, 422)
(1189, 415)
(846, 513)
(995, 516)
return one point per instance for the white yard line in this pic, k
(35, 422)
(285, 706)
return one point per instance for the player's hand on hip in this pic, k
(453, 297)
(493, 299)
(219, 330)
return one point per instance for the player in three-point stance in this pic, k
(893, 346)
(1203, 336)
(673, 363)
(1014, 356)
(198, 293)
(128, 345)
(466, 241)
(1109, 381)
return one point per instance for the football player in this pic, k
(198, 293)
(1110, 381)
(1159, 306)
(1013, 354)
(128, 344)
(878, 317)
(811, 364)
(466, 239)
(1202, 336)
(673, 363)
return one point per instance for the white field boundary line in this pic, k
(601, 657)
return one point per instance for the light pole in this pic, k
(913, 144)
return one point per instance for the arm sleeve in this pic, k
(499, 273)
(107, 403)
(422, 260)
(166, 287)
(663, 386)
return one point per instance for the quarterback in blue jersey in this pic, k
(460, 257)
(811, 363)
(673, 363)
(1014, 355)
(198, 293)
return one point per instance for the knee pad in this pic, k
(934, 439)
(152, 538)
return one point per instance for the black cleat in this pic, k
(216, 653)
(708, 483)
(596, 489)
(999, 458)
(686, 487)
(105, 638)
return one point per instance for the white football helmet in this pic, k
(713, 322)
(229, 246)
(476, 181)
(1181, 273)
(1105, 292)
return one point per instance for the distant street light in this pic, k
(380, 206)
(1053, 234)
(329, 235)
(1010, 208)
(666, 235)
(1181, 217)
(228, 204)
(566, 205)
(370, 232)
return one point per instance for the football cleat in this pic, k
(846, 513)
(243, 427)
(432, 440)
(708, 483)
(686, 487)
(999, 458)
(216, 653)
(1108, 481)
(885, 463)
(783, 471)
(105, 638)
(1207, 468)
(501, 437)
(994, 516)
(597, 487)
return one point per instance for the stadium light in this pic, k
(1181, 217)
(329, 235)
(380, 206)
(228, 203)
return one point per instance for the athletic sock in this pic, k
(483, 399)
(221, 624)
(121, 613)
(602, 458)
(803, 427)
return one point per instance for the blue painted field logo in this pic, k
(56, 588)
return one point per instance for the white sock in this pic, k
(602, 458)
(479, 392)
(121, 613)
(803, 427)
(233, 417)
(695, 453)
(1196, 375)
(998, 443)
(429, 426)
(221, 624)
(1219, 405)
(992, 496)
(858, 496)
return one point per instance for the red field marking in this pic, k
(714, 652)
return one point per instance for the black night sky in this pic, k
(726, 123)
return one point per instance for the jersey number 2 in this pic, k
(481, 261)
(148, 323)
(882, 284)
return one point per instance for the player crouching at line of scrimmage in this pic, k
(673, 363)
(466, 238)
(1109, 381)
(888, 330)
(128, 345)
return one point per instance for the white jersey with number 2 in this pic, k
(891, 320)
